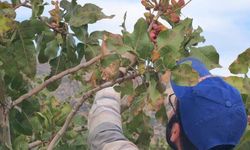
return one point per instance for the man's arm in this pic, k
(104, 123)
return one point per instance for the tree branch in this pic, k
(35, 144)
(52, 79)
(159, 13)
(5, 136)
(55, 28)
(69, 118)
(24, 4)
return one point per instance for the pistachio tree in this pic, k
(31, 117)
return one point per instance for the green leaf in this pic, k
(154, 93)
(65, 5)
(70, 135)
(196, 37)
(19, 57)
(81, 33)
(43, 119)
(30, 106)
(24, 55)
(7, 10)
(29, 28)
(161, 115)
(87, 14)
(140, 125)
(71, 49)
(241, 64)
(46, 136)
(173, 38)
(208, 55)
(139, 39)
(64, 111)
(61, 63)
(108, 59)
(184, 75)
(170, 45)
(242, 84)
(69, 7)
(36, 125)
(168, 58)
(37, 8)
(91, 51)
(95, 36)
(79, 120)
(80, 48)
(5, 24)
(20, 122)
(16, 2)
(20, 143)
(244, 142)
(51, 49)
(41, 41)
(115, 43)
(125, 88)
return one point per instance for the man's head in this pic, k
(208, 115)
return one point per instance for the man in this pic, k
(207, 116)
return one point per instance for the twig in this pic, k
(55, 28)
(80, 128)
(183, 6)
(248, 119)
(35, 144)
(24, 4)
(154, 19)
(52, 79)
(60, 133)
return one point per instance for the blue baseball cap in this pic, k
(212, 112)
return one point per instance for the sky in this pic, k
(225, 23)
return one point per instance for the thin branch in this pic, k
(248, 119)
(54, 78)
(80, 128)
(183, 5)
(69, 118)
(23, 4)
(159, 13)
(35, 144)
(39, 142)
(55, 28)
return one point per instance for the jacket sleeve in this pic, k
(104, 123)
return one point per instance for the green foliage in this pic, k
(139, 40)
(4, 24)
(208, 55)
(139, 130)
(62, 40)
(81, 15)
(242, 84)
(37, 8)
(245, 141)
(241, 64)
(184, 75)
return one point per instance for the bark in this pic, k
(5, 138)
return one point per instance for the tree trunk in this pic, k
(5, 138)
